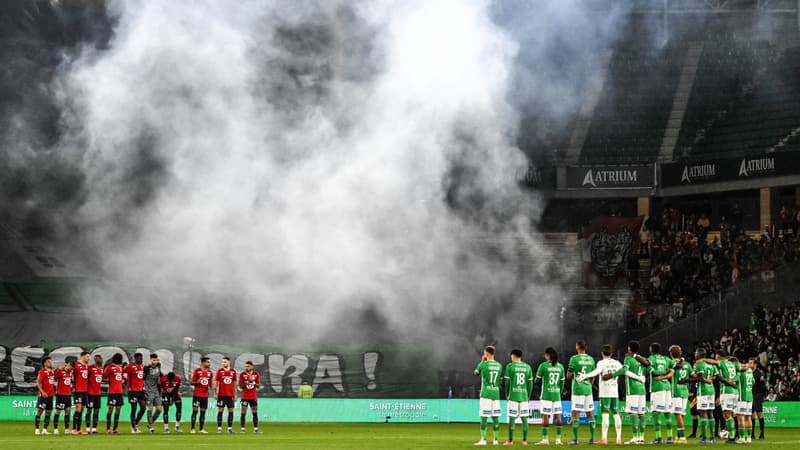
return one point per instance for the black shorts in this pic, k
(80, 398)
(136, 396)
(758, 403)
(115, 400)
(225, 402)
(45, 403)
(93, 402)
(170, 399)
(251, 403)
(63, 401)
(200, 402)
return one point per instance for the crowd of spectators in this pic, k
(689, 271)
(773, 336)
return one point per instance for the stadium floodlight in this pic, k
(188, 341)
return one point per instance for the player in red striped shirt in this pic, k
(249, 382)
(225, 393)
(81, 394)
(134, 381)
(94, 391)
(171, 395)
(201, 380)
(45, 382)
(63, 376)
(113, 373)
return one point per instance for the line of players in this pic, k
(670, 377)
(148, 389)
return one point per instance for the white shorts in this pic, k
(489, 408)
(660, 401)
(518, 409)
(705, 403)
(744, 408)
(550, 408)
(728, 401)
(678, 405)
(635, 404)
(582, 403)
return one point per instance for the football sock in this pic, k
(230, 419)
(760, 426)
(604, 426)
(219, 419)
(511, 424)
(108, 420)
(166, 415)
(496, 427)
(635, 424)
(242, 419)
(37, 421)
(681, 433)
(618, 425)
(133, 415)
(66, 421)
(668, 423)
(255, 420)
(483, 427)
(194, 418)
(116, 420)
(642, 423)
(576, 422)
(657, 425)
(139, 416)
(544, 433)
(592, 427)
(150, 419)
(729, 425)
(558, 432)
(695, 422)
(178, 408)
(525, 429)
(55, 420)
(202, 419)
(95, 417)
(76, 421)
(46, 421)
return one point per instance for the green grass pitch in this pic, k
(322, 436)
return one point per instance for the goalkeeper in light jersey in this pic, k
(680, 390)
(581, 391)
(518, 380)
(660, 369)
(551, 374)
(609, 392)
(490, 372)
(744, 407)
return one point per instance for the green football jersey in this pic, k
(552, 377)
(581, 364)
(632, 387)
(659, 365)
(680, 390)
(729, 370)
(490, 372)
(746, 381)
(519, 381)
(708, 371)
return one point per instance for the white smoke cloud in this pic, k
(292, 164)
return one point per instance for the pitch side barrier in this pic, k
(438, 410)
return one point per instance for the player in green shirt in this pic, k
(680, 390)
(635, 404)
(705, 373)
(518, 380)
(581, 391)
(660, 369)
(744, 407)
(727, 374)
(551, 374)
(490, 372)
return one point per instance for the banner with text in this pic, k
(729, 169)
(610, 177)
(382, 371)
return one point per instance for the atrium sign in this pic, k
(610, 177)
(729, 169)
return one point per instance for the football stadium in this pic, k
(399, 223)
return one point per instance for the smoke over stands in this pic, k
(300, 172)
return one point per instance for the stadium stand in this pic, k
(630, 117)
(745, 117)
